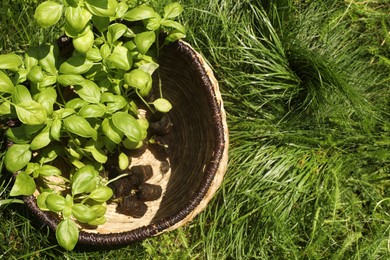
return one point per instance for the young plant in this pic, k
(77, 105)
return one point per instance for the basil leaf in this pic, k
(97, 153)
(10, 62)
(141, 12)
(120, 58)
(79, 126)
(100, 210)
(17, 156)
(84, 43)
(128, 125)
(49, 170)
(172, 10)
(47, 98)
(83, 213)
(105, 8)
(48, 13)
(115, 31)
(21, 94)
(89, 91)
(84, 180)
(76, 103)
(162, 105)
(41, 140)
(76, 65)
(92, 111)
(77, 17)
(41, 200)
(55, 129)
(35, 74)
(101, 23)
(5, 108)
(6, 84)
(113, 102)
(174, 36)
(24, 185)
(67, 234)
(55, 202)
(140, 80)
(123, 161)
(31, 113)
(48, 57)
(98, 221)
(94, 55)
(101, 194)
(175, 25)
(144, 40)
(111, 131)
(70, 80)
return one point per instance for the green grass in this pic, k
(306, 87)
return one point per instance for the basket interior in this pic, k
(196, 150)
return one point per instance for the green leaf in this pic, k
(92, 111)
(24, 185)
(121, 9)
(77, 17)
(76, 103)
(31, 113)
(67, 234)
(153, 24)
(79, 126)
(144, 41)
(115, 31)
(10, 62)
(84, 180)
(70, 80)
(94, 55)
(140, 80)
(141, 12)
(120, 58)
(89, 91)
(84, 43)
(162, 105)
(55, 202)
(101, 23)
(105, 8)
(172, 10)
(55, 129)
(48, 13)
(5, 108)
(48, 58)
(128, 125)
(17, 156)
(83, 213)
(98, 154)
(49, 170)
(21, 94)
(100, 210)
(105, 51)
(41, 140)
(112, 132)
(76, 65)
(175, 25)
(101, 194)
(41, 200)
(6, 84)
(123, 161)
(98, 221)
(47, 99)
(174, 36)
(113, 102)
(35, 74)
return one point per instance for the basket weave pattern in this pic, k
(197, 152)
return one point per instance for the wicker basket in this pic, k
(197, 154)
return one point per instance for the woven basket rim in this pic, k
(213, 177)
